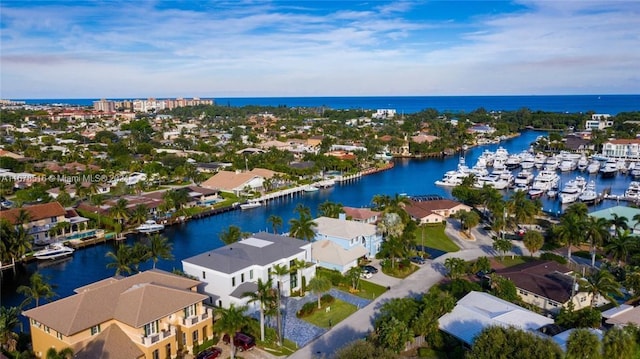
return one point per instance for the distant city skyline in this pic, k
(164, 49)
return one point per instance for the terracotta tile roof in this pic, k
(112, 342)
(548, 279)
(134, 300)
(421, 209)
(360, 213)
(625, 141)
(36, 212)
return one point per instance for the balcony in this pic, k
(195, 319)
(152, 339)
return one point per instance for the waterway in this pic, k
(409, 176)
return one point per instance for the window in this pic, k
(95, 329)
(47, 329)
(167, 351)
(151, 328)
(241, 277)
(269, 272)
(190, 311)
(156, 354)
(54, 219)
(194, 336)
(233, 281)
(250, 274)
(60, 336)
(204, 275)
(293, 278)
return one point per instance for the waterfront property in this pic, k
(331, 255)
(237, 182)
(364, 215)
(620, 211)
(233, 270)
(349, 234)
(434, 210)
(152, 314)
(622, 148)
(477, 311)
(546, 284)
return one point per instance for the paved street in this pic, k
(358, 325)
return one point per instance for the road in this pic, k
(358, 325)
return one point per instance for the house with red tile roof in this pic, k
(434, 210)
(39, 220)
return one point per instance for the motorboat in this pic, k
(589, 196)
(545, 180)
(540, 160)
(572, 190)
(384, 155)
(593, 167)
(53, 251)
(535, 193)
(251, 205)
(621, 165)
(524, 177)
(513, 162)
(583, 163)
(552, 193)
(311, 188)
(551, 164)
(528, 161)
(635, 173)
(609, 169)
(633, 191)
(150, 226)
(451, 179)
(492, 180)
(567, 165)
(520, 187)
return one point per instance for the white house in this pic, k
(230, 271)
(598, 121)
(349, 234)
(625, 148)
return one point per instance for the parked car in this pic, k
(369, 268)
(366, 274)
(417, 260)
(210, 353)
(241, 341)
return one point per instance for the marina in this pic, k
(201, 233)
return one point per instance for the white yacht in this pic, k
(583, 163)
(593, 167)
(589, 196)
(545, 180)
(150, 226)
(53, 251)
(540, 160)
(572, 190)
(513, 162)
(551, 164)
(609, 169)
(525, 177)
(251, 205)
(567, 165)
(528, 161)
(633, 191)
(493, 180)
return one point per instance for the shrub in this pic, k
(553, 257)
(307, 309)
(327, 299)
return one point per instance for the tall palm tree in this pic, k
(159, 248)
(139, 214)
(19, 243)
(276, 222)
(230, 321)
(619, 222)
(232, 235)
(522, 208)
(393, 247)
(302, 228)
(330, 209)
(23, 217)
(302, 210)
(37, 288)
(279, 270)
(620, 245)
(601, 283)
(9, 319)
(265, 295)
(570, 231)
(297, 267)
(596, 232)
(119, 212)
(318, 286)
(122, 259)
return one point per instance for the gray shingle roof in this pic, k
(260, 249)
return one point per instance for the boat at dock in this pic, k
(311, 188)
(53, 251)
(251, 205)
(589, 195)
(609, 169)
(150, 226)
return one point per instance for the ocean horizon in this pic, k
(609, 104)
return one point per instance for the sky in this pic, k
(187, 48)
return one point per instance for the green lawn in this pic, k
(397, 272)
(339, 310)
(369, 290)
(510, 262)
(435, 237)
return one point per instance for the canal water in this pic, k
(409, 176)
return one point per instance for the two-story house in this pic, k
(233, 270)
(349, 234)
(364, 215)
(153, 314)
(622, 148)
(38, 219)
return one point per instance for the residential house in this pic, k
(230, 271)
(362, 215)
(546, 284)
(621, 211)
(331, 255)
(426, 211)
(598, 121)
(41, 219)
(152, 314)
(478, 310)
(622, 316)
(349, 234)
(624, 148)
(237, 182)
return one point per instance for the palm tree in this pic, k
(230, 321)
(522, 208)
(9, 319)
(159, 248)
(596, 231)
(456, 267)
(37, 288)
(232, 235)
(330, 209)
(119, 212)
(502, 245)
(122, 259)
(533, 241)
(601, 283)
(276, 222)
(297, 266)
(302, 228)
(280, 271)
(140, 213)
(392, 248)
(620, 245)
(619, 222)
(65, 353)
(179, 197)
(265, 295)
(23, 217)
(19, 243)
(570, 231)
(139, 254)
(302, 210)
(318, 286)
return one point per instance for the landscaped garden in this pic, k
(399, 269)
(363, 289)
(332, 312)
(433, 236)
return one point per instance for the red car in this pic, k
(241, 341)
(210, 353)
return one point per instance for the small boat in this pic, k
(552, 193)
(150, 226)
(535, 193)
(593, 167)
(609, 169)
(311, 188)
(250, 205)
(589, 196)
(53, 251)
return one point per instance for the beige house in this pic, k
(237, 182)
(546, 284)
(41, 218)
(362, 215)
(434, 210)
(331, 255)
(152, 314)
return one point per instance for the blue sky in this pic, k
(91, 49)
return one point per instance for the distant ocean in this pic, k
(610, 104)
